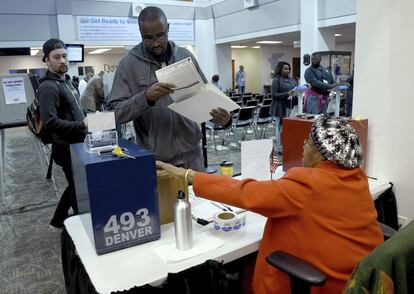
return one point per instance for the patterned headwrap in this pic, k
(337, 141)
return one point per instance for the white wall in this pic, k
(22, 62)
(270, 56)
(383, 73)
(250, 58)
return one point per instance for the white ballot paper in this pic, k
(192, 98)
(101, 121)
(255, 159)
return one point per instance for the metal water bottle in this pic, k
(182, 223)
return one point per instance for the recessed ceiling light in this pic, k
(338, 35)
(33, 51)
(99, 51)
(269, 42)
(256, 47)
(238, 46)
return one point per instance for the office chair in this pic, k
(302, 275)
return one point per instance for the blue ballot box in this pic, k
(117, 197)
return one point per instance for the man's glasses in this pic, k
(157, 38)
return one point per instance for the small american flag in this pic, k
(273, 161)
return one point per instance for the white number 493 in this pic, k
(127, 220)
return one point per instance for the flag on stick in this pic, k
(273, 161)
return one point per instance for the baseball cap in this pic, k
(51, 45)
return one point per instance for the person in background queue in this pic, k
(63, 118)
(241, 80)
(317, 96)
(282, 88)
(308, 209)
(215, 81)
(137, 96)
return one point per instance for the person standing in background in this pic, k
(93, 97)
(215, 82)
(282, 87)
(241, 80)
(84, 82)
(321, 81)
(349, 95)
(63, 118)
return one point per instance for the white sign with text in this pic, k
(104, 28)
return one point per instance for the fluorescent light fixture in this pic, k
(33, 51)
(256, 47)
(238, 46)
(338, 35)
(99, 51)
(103, 46)
(269, 42)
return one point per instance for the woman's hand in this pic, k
(177, 172)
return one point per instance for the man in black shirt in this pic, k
(62, 117)
(321, 81)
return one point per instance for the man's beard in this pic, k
(62, 69)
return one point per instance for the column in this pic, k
(311, 37)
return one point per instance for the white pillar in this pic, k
(206, 47)
(223, 54)
(382, 92)
(311, 37)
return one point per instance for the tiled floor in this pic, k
(30, 250)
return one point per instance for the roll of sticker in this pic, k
(227, 221)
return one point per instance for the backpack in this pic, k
(34, 122)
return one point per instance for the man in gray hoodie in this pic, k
(136, 95)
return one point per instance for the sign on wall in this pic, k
(107, 28)
(14, 91)
(103, 28)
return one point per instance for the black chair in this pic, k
(247, 98)
(259, 98)
(267, 102)
(236, 95)
(235, 99)
(263, 119)
(214, 129)
(244, 119)
(252, 103)
(303, 275)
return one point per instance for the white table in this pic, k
(140, 265)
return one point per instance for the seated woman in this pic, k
(322, 212)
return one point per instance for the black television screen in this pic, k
(75, 52)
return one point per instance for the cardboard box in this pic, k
(168, 187)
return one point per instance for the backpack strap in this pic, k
(49, 168)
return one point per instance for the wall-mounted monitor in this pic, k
(75, 52)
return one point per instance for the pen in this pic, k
(228, 207)
(218, 206)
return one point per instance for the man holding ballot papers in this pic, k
(138, 96)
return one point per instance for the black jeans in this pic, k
(61, 156)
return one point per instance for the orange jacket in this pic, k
(324, 215)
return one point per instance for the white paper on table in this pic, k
(201, 244)
(14, 91)
(255, 159)
(101, 121)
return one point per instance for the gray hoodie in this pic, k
(170, 136)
